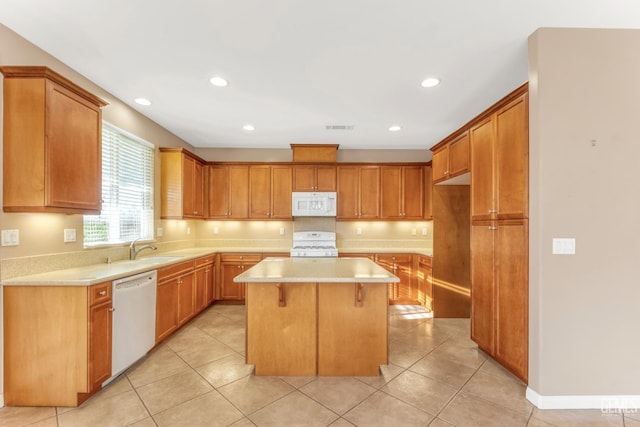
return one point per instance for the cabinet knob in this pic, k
(112, 309)
(493, 211)
(493, 228)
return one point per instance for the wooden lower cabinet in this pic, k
(57, 343)
(425, 282)
(499, 293)
(175, 298)
(231, 265)
(400, 265)
(205, 282)
(306, 329)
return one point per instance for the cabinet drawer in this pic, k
(241, 257)
(175, 269)
(99, 293)
(395, 258)
(209, 259)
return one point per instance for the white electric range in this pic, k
(314, 244)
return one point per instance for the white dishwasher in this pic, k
(134, 319)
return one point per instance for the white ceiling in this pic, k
(296, 66)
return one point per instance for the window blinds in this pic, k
(127, 191)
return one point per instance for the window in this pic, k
(127, 191)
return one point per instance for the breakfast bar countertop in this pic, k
(317, 270)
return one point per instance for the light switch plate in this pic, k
(159, 232)
(69, 235)
(10, 237)
(564, 246)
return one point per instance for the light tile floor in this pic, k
(436, 377)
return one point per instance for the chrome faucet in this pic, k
(133, 252)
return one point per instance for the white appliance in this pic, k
(306, 203)
(134, 319)
(314, 244)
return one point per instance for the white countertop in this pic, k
(316, 270)
(99, 273)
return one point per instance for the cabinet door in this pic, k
(428, 192)
(166, 308)
(209, 278)
(512, 160)
(482, 285)
(231, 290)
(482, 161)
(186, 297)
(73, 137)
(440, 164)
(200, 298)
(304, 178)
(348, 192)
(326, 178)
(413, 192)
(218, 192)
(512, 296)
(391, 192)
(260, 192)
(459, 155)
(369, 181)
(198, 190)
(100, 331)
(238, 192)
(281, 192)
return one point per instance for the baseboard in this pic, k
(606, 403)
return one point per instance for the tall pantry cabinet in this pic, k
(499, 144)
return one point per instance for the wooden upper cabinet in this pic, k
(402, 192)
(270, 192)
(314, 178)
(228, 192)
(500, 161)
(52, 143)
(358, 192)
(181, 184)
(451, 159)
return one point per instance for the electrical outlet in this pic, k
(282, 231)
(358, 231)
(216, 230)
(188, 230)
(69, 235)
(159, 232)
(424, 231)
(414, 232)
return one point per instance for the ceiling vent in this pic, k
(339, 127)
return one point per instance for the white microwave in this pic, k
(313, 203)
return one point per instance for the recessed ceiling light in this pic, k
(395, 128)
(249, 127)
(143, 101)
(218, 81)
(430, 82)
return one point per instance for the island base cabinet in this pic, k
(281, 328)
(352, 329)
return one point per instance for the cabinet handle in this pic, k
(493, 228)
(102, 293)
(493, 211)
(359, 294)
(281, 300)
(112, 309)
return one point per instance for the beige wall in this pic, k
(585, 175)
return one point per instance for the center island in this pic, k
(317, 316)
